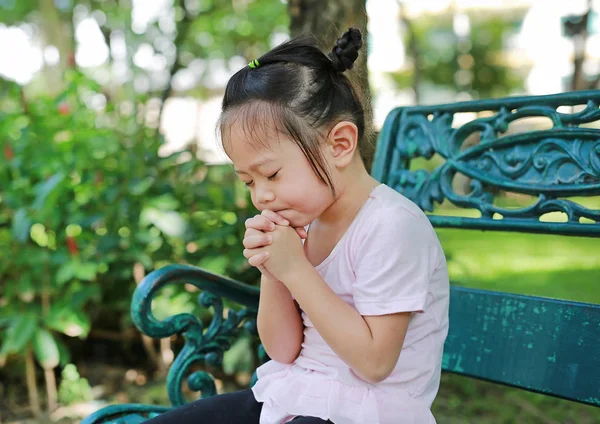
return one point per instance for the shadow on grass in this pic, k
(466, 400)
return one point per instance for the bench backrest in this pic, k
(539, 344)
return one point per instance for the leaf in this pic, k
(19, 334)
(64, 319)
(139, 187)
(64, 354)
(165, 202)
(65, 273)
(85, 270)
(21, 225)
(83, 294)
(45, 188)
(169, 222)
(46, 349)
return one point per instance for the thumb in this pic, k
(301, 232)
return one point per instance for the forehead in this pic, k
(251, 133)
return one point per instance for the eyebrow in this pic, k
(254, 165)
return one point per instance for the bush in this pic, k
(88, 206)
(73, 388)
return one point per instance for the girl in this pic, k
(354, 290)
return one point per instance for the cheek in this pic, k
(308, 196)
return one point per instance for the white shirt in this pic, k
(388, 261)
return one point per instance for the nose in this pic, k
(264, 195)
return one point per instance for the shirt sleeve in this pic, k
(393, 265)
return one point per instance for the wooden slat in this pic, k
(539, 344)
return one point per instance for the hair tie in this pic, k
(253, 64)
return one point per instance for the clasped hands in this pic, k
(274, 247)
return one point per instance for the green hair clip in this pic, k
(254, 64)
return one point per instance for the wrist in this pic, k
(269, 279)
(298, 275)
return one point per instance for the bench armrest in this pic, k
(124, 414)
(203, 344)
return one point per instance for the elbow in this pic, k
(280, 348)
(377, 371)
(283, 357)
(282, 353)
(376, 377)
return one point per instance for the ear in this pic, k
(342, 143)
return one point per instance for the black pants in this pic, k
(230, 408)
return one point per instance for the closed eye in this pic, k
(272, 177)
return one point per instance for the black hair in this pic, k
(303, 90)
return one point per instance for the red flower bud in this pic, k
(64, 109)
(9, 153)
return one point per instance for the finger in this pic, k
(252, 232)
(260, 222)
(301, 232)
(259, 259)
(260, 240)
(248, 253)
(274, 217)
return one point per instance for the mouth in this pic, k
(281, 212)
(285, 213)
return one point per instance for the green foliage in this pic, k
(239, 358)
(203, 30)
(474, 64)
(87, 206)
(45, 349)
(73, 388)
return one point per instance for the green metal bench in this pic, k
(538, 344)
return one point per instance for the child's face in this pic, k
(279, 176)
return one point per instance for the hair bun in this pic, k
(344, 53)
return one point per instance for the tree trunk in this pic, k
(580, 37)
(51, 390)
(57, 30)
(413, 51)
(34, 399)
(327, 21)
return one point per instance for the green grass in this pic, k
(463, 400)
(542, 265)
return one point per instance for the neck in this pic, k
(353, 190)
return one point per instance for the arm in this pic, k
(390, 277)
(279, 322)
(370, 345)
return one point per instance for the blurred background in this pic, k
(110, 168)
